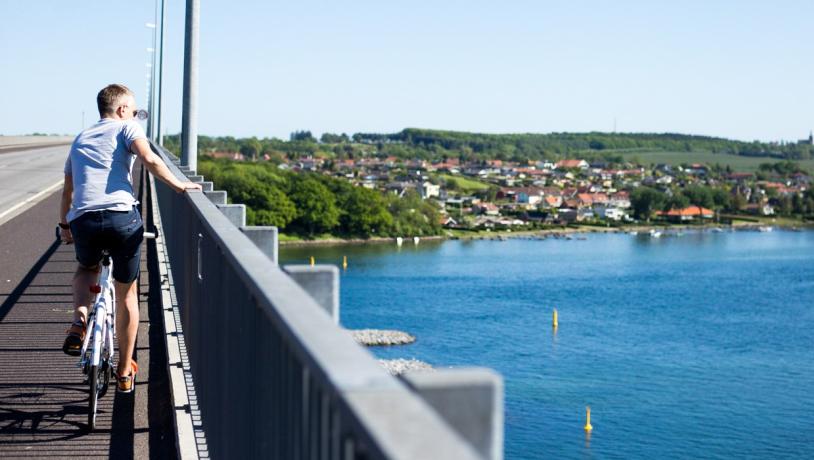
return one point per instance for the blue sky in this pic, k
(736, 69)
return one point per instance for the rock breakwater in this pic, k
(381, 337)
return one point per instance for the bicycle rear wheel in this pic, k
(105, 373)
(93, 399)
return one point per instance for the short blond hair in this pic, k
(108, 98)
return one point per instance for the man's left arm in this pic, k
(64, 206)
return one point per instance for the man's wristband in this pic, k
(63, 226)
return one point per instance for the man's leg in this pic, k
(127, 318)
(82, 297)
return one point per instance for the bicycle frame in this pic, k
(101, 321)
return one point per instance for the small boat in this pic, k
(655, 234)
(765, 229)
(634, 233)
(399, 241)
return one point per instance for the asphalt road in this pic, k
(29, 176)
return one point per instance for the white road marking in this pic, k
(31, 201)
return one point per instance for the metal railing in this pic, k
(274, 375)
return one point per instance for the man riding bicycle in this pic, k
(98, 213)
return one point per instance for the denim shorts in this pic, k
(119, 232)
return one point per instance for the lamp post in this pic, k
(189, 120)
(151, 88)
(159, 101)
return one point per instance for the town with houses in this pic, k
(498, 194)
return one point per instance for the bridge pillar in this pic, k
(321, 282)
(265, 238)
(195, 178)
(470, 400)
(236, 213)
(206, 186)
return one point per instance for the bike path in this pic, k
(43, 401)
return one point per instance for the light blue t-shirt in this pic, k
(100, 162)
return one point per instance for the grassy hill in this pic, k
(737, 162)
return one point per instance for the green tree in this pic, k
(721, 199)
(413, 216)
(251, 148)
(699, 196)
(364, 212)
(316, 206)
(677, 201)
(737, 202)
(304, 136)
(267, 204)
(645, 200)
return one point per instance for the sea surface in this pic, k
(692, 346)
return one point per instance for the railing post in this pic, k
(321, 282)
(470, 400)
(236, 213)
(265, 238)
(216, 197)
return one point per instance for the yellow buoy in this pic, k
(345, 262)
(588, 426)
(312, 261)
(554, 322)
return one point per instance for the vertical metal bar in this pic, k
(189, 122)
(296, 398)
(304, 410)
(324, 428)
(314, 423)
(336, 450)
(288, 439)
(271, 410)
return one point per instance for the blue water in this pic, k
(699, 346)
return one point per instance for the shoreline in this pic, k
(484, 235)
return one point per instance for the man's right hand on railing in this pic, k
(187, 186)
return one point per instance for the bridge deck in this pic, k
(43, 403)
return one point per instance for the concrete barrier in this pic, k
(265, 238)
(236, 213)
(321, 282)
(470, 400)
(216, 197)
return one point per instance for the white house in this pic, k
(609, 212)
(429, 190)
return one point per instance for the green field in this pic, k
(465, 185)
(737, 162)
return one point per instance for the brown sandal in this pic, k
(127, 383)
(73, 342)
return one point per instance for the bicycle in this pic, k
(98, 346)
